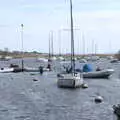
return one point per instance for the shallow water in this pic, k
(21, 98)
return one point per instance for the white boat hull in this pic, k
(68, 80)
(6, 70)
(34, 69)
(98, 74)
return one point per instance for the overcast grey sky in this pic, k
(98, 21)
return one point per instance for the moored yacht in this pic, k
(73, 79)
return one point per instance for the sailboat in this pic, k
(73, 79)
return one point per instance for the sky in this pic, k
(96, 25)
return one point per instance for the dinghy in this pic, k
(98, 74)
(6, 70)
(94, 74)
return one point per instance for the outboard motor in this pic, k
(49, 67)
(41, 70)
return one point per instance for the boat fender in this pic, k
(84, 85)
(59, 75)
(2, 68)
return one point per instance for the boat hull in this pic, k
(69, 81)
(98, 74)
(34, 69)
(6, 70)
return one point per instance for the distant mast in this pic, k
(83, 39)
(49, 48)
(72, 40)
(59, 35)
(92, 47)
(22, 26)
(52, 43)
(96, 49)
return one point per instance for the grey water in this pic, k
(21, 98)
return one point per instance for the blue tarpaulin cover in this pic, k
(87, 68)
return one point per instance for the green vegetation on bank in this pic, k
(19, 54)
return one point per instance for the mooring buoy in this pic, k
(98, 99)
(35, 79)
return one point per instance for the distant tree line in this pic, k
(7, 52)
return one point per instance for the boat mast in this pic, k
(92, 47)
(49, 47)
(52, 43)
(59, 35)
(96, 49)
(72, 40)
(22, 46)
(84, 52)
